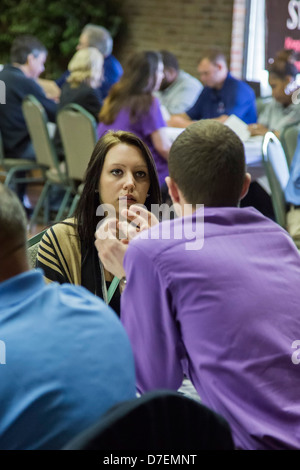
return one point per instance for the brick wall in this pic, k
(237, 43)
(185, 27)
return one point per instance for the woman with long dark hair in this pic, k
(131, 106)
(121, 172)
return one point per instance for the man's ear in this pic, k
(247, 181)
(173, 189)
(30, 57)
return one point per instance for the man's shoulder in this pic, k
(241, 85)
(113, 63)
(12, 75)
(185, 77)
(211, 221)
(76, 301)
(165, 236)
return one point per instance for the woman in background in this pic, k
(281, 110)
(81, 87)
(131, 106)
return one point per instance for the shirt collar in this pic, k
(18, 288)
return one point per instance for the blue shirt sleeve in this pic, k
(62, 79)
(195, 112)
(245, 105)
(112, 73)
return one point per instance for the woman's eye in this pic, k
(116, 172)
(141, 174)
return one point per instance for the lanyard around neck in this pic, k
(108, 294)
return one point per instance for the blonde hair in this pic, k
(85, 64)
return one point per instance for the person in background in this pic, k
(281, 110)
(131, 106)
(214, 294)
(27, 61)
(222, 95)
(287, 55)
(121, 171)
(99, 37)
(178, 90)
(81, 87)
(68, 358)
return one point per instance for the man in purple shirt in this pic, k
(225, 312)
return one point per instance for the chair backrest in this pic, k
(77, 128)
(36, 122)
(277, 172)
(158, 420)
(289, 139)
(32, 248)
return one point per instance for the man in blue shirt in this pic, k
(65, 357)
(222, 95)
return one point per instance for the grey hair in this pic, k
(13, 220)
(99, 37)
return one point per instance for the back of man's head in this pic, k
(24, 45)
(99, 37)
(207, 162)
(13, 222)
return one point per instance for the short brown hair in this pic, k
(214, 55)
(24, 45)
(207, 162)
(13, 220)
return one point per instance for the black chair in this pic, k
(159, 420)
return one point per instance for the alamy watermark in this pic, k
(190, 229)
(294, 90)
(2, 352)
(296, 96)
(2, 92)
(296, 354)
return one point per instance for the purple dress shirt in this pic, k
(226, 315)
(143, 128)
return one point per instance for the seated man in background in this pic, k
(27, 59)
(222, 95)
(68, 358)
(178, 90)
(224, 312)
(99, 37)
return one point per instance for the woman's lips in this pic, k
(127, 199)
